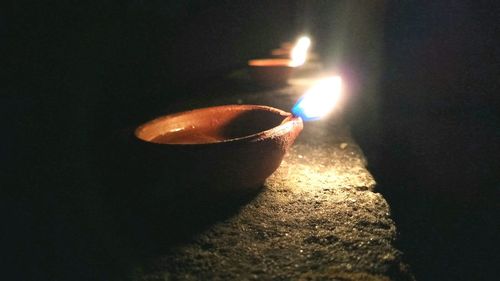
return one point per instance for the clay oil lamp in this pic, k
(270, 72)
(283, 51)
(274, 72)
(223, 148)
(230, 148)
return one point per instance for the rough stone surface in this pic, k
(317, 218)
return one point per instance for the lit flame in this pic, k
(299, 51)
(319, 100)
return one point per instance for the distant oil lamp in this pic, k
(273, 72)
(270, 72)
(231, 147)
(283, 51)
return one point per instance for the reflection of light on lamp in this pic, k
(299, 51)
(319, 100)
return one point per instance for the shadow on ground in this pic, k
(101, 224)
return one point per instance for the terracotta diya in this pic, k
(274, 72)
(230, 148)
(226, 148)
(270, 72)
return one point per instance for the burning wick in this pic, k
(299, 51)
(319, 100)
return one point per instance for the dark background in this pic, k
(423, 106)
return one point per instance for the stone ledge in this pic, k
(317, 218)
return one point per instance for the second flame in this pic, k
(299, 51)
